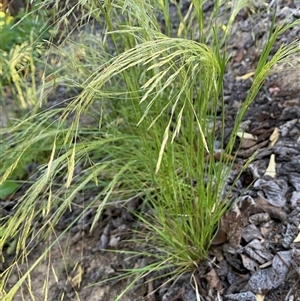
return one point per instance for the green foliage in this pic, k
(8, 188)
(27, 27)
(20, 47)
(155, 101)
(36, 149)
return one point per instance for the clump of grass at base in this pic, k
(160, 99)
(177, 110)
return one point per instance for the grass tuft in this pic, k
(148, 120)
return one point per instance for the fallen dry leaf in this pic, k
(220, 237)
(260, 297)
(247, 143)
(213, 281)
(271, 169)
(274, 137)
(247, 140)
(245, 135)
(230, 229)
(245, 76)
(249, 152)
(297, 239)
(76, 280)
(274, 212)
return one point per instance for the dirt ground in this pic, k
(256, 254)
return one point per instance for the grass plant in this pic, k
(155, 98)
(21, 44)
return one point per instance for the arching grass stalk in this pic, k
(156, 105)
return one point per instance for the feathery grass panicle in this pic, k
(155, 101)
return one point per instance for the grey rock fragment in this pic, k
(291, 166)
(247, 296)
(289, 228)
(295, 199)
(251, 232)
(275, 190)
(296, 260)
(289, 113)
(257, 251)
(295, 180)
(249, 263)
(264, 280)
(189, 294)
(259, 218)
(286, 127)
